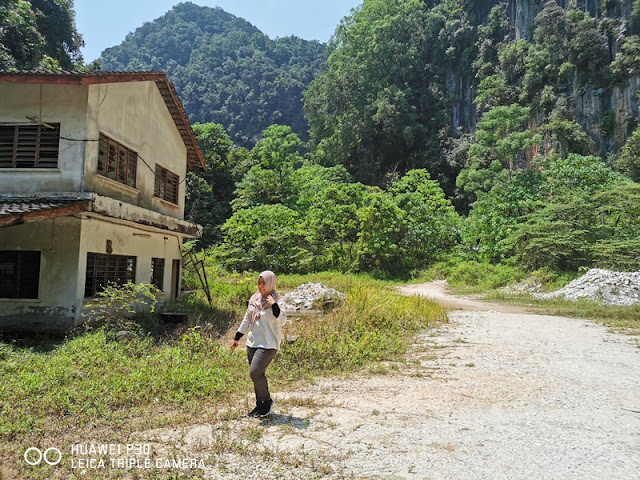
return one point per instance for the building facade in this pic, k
(92, 191)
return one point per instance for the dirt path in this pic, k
(493, 395)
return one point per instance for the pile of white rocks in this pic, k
(613, 288)
(528, 285)
(311, 297)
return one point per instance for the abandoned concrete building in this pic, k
(92, 190)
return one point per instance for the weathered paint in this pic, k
(64, 243)
(136, 115)
(125, 211)
(65, 104)
(56, 308)
(132, 113)
(138, 224)
(130, 241)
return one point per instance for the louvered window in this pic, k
(116, 161)
(157, 272)
(167, 184)
(104, 270)
(29, 146)
(19, 274)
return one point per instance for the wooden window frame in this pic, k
(167, 185)
(29, 145)
(104, 269)
(157, 273)
(24, 281)
(116, 161)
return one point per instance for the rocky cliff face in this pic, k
(608, 113)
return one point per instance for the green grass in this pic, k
(374, 325)
(623, 319)
(57, 389)
(93, 375)
(465, 277)
(473, 277)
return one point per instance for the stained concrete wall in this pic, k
(56, 308)
(130, 241)
(64, 104)
(132, 113)
(64, 243)
(135, 115)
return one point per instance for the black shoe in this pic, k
(265, 408)
(255, 412)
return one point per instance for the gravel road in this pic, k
(492, 395)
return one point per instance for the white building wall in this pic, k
(58, 240)
(64, 104)
(132, 113)
(130, 241)
(135, 115)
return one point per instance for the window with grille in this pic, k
(157, 272)
(19, 274)
(29, 146)
(167, 184)
(104, 270)
(117, 162)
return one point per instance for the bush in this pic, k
(265, 237)
(483, 275)
(432, 222)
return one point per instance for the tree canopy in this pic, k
(39, 33)
(225, 70)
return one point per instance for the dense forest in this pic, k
(39, 34)
(225, 70)
(498, 132)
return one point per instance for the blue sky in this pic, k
(105, 23)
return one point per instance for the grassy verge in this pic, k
(469, 277)
(103, 383)
(623, 319)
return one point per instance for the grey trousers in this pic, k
(259, 359)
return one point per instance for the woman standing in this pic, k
(264, 320)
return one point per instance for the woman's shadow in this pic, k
(282, 419)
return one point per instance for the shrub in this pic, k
(265, 237)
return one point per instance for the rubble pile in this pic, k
(311, 297)
(528, 285)
(613, 288)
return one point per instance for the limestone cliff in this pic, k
(609, 113)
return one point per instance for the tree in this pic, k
(432, 223)
(225, 70)
(380, 105)
(209, 193)
(618, 244)
(310, 180)
(265, 237)
(501, 141)
(629, 162)
(332, 225)
(383, 227)
(39, 33)
(577, 173)
(496, 214)
(587, 214)
(557, 236)
(269, 181)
